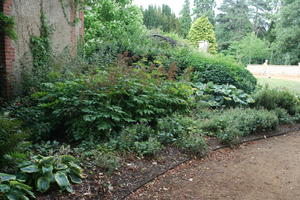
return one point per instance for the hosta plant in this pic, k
(11, 188)
(43, 171)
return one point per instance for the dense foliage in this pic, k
(202, 30)
(185, 19)
(250, 50)
(130, 94)
(161, 17)
(205, 8)
(112, 27)
(288, 33)
(105, 103)
(7, 24)
(11, 137)
(217, 69)
(233, 124)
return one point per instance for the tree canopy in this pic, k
(203, 30)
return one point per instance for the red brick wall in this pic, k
(8, 57)
(1, 54)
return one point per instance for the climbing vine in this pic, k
(78, 4)
(40, 45)
(7, 24)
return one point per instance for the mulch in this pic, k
(136, 172)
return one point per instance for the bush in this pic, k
(11, 138)
(102, 104)
(140, 139)
(129, 135)
(232, 124)
(13, 188)
(193, 143)
(271, 99)
(173, 127)
(203, 30)
(217, 69)
(42, 171)
(147, 148)
(222, 95)
(283, 116)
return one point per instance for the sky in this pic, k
(176, 5)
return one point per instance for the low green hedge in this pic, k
(217, 69)
(230, 125)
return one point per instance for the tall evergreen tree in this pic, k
(233, 23)
(185, 18)
(203, 30)
(288, 33)
(161, 17)
(205, 8)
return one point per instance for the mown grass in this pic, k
(291, 85)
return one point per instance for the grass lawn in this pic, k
(292, 85)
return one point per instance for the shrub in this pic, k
(171, 128)
(217, 69)
(130, 137)
(105, 160)
(98, 105)
(232, 124)
(13, 188)
(271, 99)
(203, 30)
(222, 95)
(11, 138)
(147, 148)
(43, 171)
(283, 116)
(192, 143)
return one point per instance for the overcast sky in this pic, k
(176, 5)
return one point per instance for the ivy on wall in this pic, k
(40, 46)
(78, 4)
(7, 24)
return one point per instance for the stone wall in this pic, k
(27, 13)
(275, 70)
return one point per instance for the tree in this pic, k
(233, 22)
(250, 50)
(203, 30)
(112, 23)
(205, 8)
(263, 15)
(287, 46)
(185, 18)
(161, 17)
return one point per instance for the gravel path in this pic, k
(263, 170)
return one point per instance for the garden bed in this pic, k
(135, 172)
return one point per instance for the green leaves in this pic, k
(222, 95)
(43, 184)
(13, 189)
(6, 177)
(61, 179)
(203, 30)
(4, 188)
(30, 169)
(53, 169)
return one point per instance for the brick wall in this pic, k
(7, 57)
(1, 55)
(15, 55)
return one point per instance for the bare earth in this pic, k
(264, 170)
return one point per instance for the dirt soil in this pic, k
(266, 169)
